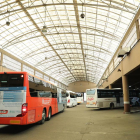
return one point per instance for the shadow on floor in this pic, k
(17, 129)
(105, 109)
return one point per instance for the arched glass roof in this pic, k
(73, 48)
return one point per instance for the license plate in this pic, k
(14, 121)
(3, 111)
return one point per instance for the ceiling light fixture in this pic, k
(8, 22)
(82, 15)
(44, 29)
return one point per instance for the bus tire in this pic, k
(43, 117)
(111, 106)
(49, 115)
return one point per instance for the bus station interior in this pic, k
(79, 123)
(76, 45)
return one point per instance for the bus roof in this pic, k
(24, 72)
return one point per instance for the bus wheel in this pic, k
(43, 117)
(111, 106)
(49, 114)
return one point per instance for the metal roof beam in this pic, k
(79, 31)
(39, 63)
(31, 54)
(10, 42)
(67, 60)
(117, 2)
(60, 66)
(29, 16)
(78, 4)
(54, 68)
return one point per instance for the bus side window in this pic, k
(71, 96)
(44, 94)
(64, 94)
(67, 94)
(34, 94)
(99, 94)
(54, 95)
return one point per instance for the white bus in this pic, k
(80, 98)
(71, 99)
(108, 98)
(104, 98)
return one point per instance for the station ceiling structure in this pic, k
(52, 36)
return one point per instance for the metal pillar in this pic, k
(126, 94)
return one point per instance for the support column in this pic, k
(110, 86)
(126, 94)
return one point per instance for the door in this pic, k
(59, 104)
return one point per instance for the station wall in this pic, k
(81, 86)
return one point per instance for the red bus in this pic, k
(27, 99)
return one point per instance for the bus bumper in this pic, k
(69, 105)
(13, 120)
(91, 106)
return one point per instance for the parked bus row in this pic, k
(110, 98)
(27, 99)
(74, 99)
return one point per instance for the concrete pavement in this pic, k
(79, 123)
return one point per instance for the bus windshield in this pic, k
(72, 95)
(11, 80)
(91, 92)
(79, 95)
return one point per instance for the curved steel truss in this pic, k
(72, 48)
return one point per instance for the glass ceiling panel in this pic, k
(72, 48)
